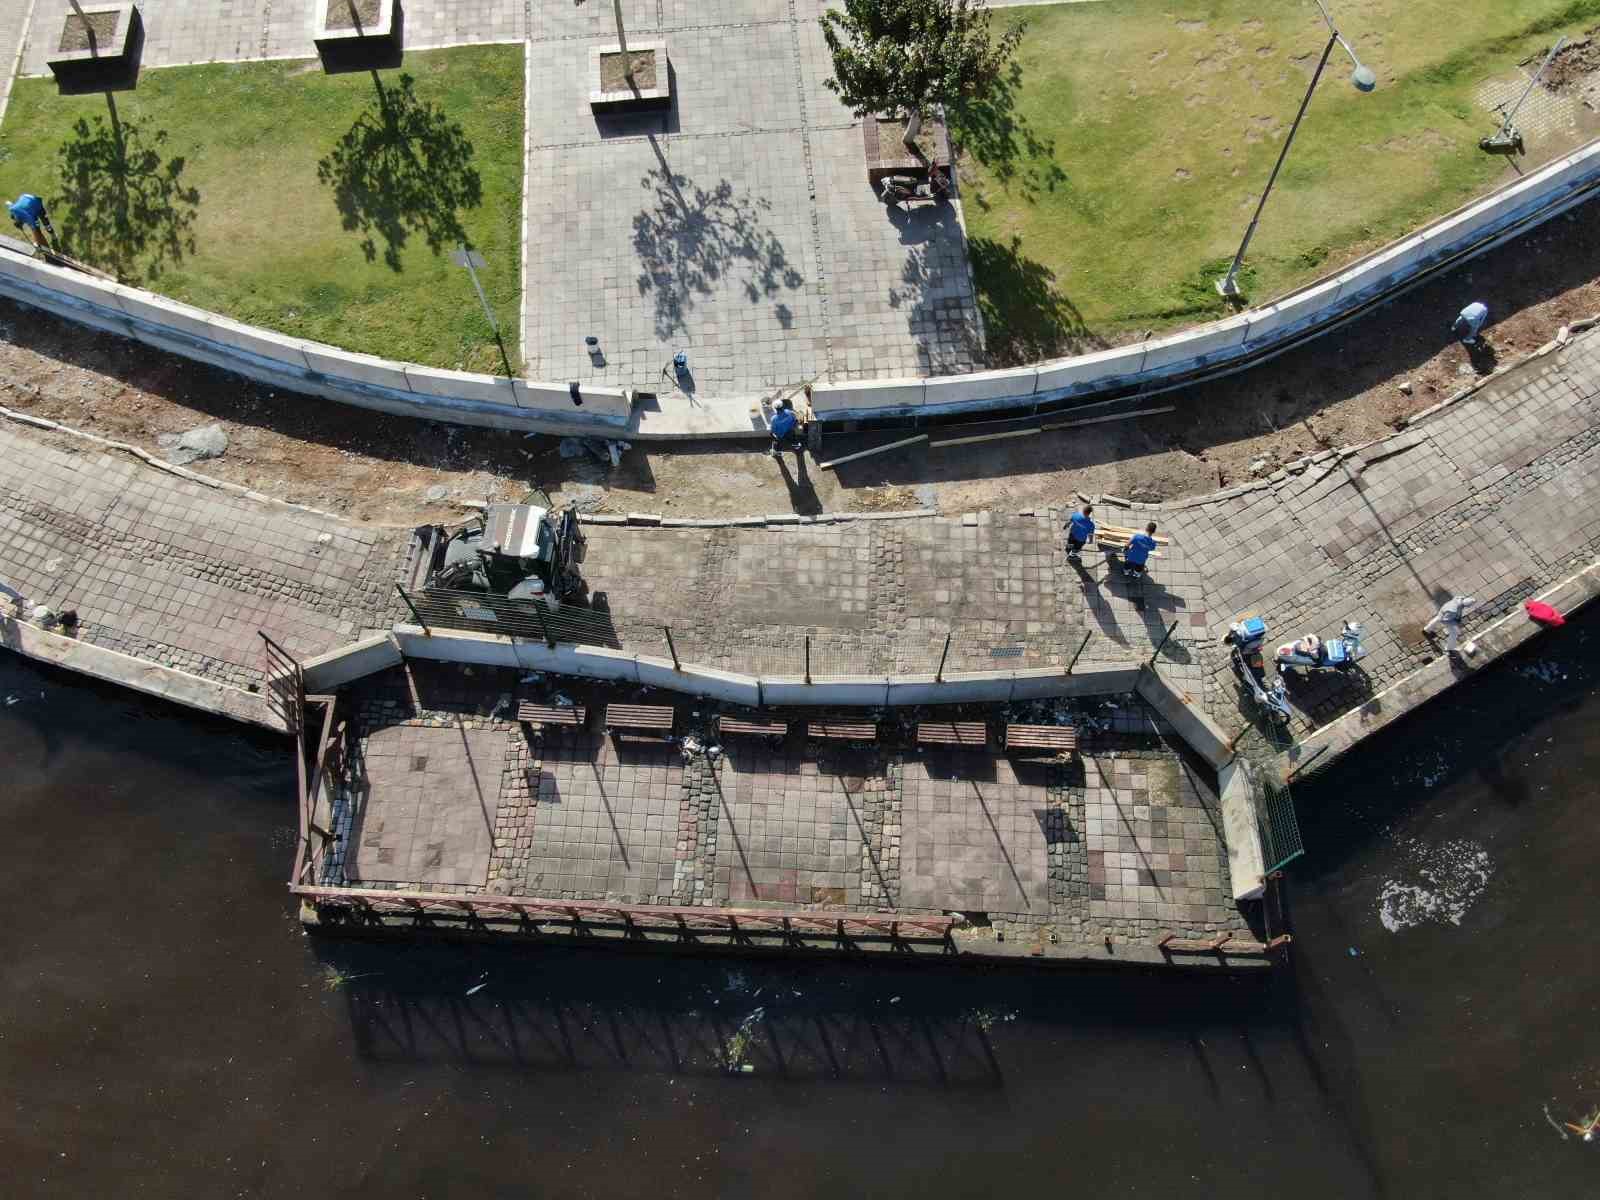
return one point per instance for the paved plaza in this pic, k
(1125, 840)
(607, 819)
(736, 226)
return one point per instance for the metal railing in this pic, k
(640, 917)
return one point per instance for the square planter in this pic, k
(111, 63)
(652, 85)
(887, 154)
(368, 37)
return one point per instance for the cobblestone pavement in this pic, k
(178, 572)
(1125, 842)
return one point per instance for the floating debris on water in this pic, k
(1445, 880)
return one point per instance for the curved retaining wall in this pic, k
(472, 399)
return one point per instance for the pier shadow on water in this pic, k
(559, 1011)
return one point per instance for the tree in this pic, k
(905, 56)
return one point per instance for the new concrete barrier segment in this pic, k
(1188, 356)
(1241, 832)
(597, 662)
(346, 664)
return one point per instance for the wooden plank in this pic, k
(984, 437)
(900, 445)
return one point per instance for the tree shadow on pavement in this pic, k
(124, 207)
(1025, 317)
(403, 168)
(691, 238)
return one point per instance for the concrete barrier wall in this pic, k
(488, 649)
(411, 390)
(310, 368)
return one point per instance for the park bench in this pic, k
(833, 729)
(953, 733)
(654, 718)
(741, 727)
(551, 714)
(1058, 739)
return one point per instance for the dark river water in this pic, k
(166, 1029)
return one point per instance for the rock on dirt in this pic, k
(195, 445)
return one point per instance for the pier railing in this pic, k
(634, 918)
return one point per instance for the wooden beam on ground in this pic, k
(1142, 412)
(903, 442)
(984, 437)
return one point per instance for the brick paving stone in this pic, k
(607, 820)
(794, 827)
(429, 814)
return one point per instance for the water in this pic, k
(167, 1030)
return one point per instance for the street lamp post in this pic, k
(1361, 77)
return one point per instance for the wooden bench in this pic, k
(1059, 739)
(736, 725)
(551, 714)
(1115, 537)
(952, 733)
(657, 718)
(833, 730)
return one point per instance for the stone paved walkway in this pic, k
(1497, 496)
(178, 572)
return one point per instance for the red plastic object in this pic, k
(1544, 614)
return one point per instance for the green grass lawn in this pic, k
(1143, 130)
(307, 203)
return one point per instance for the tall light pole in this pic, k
(1363, 79)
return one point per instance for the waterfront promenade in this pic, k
(1494, 496)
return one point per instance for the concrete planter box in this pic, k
(887, 154)
(112, 63)
(372, 39)
(631, 99)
